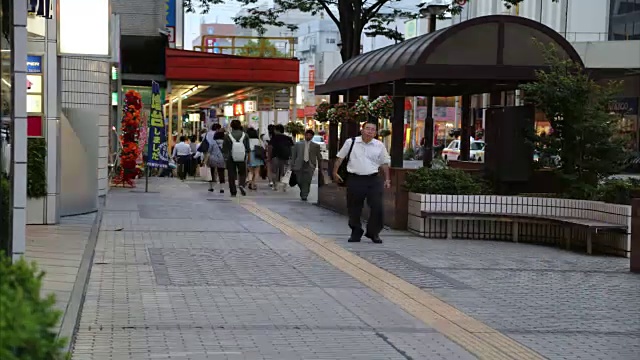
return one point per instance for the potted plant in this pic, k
(294, 128)
(340, 113)
(36, 181)
(361, 110)
(321, 112)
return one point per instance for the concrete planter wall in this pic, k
(615, 244)
(36, 211)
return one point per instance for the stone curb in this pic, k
(71, 318)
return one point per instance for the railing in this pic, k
(250, 46)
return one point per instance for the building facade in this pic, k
(624, 20)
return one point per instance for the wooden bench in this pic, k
(591, 226)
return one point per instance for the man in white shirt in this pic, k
(182, 155)
(364, 160)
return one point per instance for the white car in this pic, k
(476, 151)
(318, 139)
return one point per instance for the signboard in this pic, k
(312, 78)
(627, 105)
(266, 103)
(34, 64)
(157, 143)
(170, 19)
(228, 111)
(84, 27)
(238, 109)
(282, 99)
(35, 125)
(249, 106)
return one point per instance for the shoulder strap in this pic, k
(353, 141)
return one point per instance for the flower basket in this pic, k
(361, 110)
(321, 112)
(384, 133)
(340, 113)
(382, 107)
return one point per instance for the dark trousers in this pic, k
(359, 189)
(237, 170)
(183, 166)
(217, 173)
(304, 177)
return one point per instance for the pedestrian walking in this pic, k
(305, 158)
(214, 158)
(235, 149)
(182, 156)
(280, 152)
(358, 165)
(256, 158)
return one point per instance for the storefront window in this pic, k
(624, 20)
(6, 101)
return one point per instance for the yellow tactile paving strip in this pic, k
(476, 337)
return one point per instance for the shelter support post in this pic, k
(427, 158)
(397, 132)
(180, 115)
(465, 142)
(333, 137)
(170, 130)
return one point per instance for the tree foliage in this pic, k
(352, 17)
(584, 136)
(260, 48)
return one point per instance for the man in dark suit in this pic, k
(305, 158)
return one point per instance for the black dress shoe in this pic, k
(354, 239)
(375, 238)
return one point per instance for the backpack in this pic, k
(258, 152)
(238, 151)
(204, 146)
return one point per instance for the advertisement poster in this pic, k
(157, 143)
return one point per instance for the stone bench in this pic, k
(589, 224)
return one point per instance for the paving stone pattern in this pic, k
(562, 304)
(181, 274)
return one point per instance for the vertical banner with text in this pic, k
(157, 144)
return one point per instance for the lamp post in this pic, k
(431, 12)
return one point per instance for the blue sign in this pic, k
(34, 64)
(157, 155)
(42, 8)
(170, 6)
(624, 105)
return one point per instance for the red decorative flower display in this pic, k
(340, 112)
(321, 112)
(382, 107)
(130, 127)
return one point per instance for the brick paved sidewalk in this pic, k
(561, 304)
(58, 250)
(180, 273)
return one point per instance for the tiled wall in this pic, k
(140, 17)
(85, 85)
(615, 244)
(19, 145)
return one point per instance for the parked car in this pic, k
(476, 151)
(319, 139)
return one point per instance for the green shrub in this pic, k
(36, 168)
(617, 191)
(5, 212)
(444, 181)
(27, 321)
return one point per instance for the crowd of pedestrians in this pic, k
(246, 156)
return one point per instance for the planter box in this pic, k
(395, 201)
(36, 211)
(609, 243)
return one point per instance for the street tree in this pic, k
(260, 48)
(585, 136)
(353, 18)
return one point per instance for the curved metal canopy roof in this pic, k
(495, 47)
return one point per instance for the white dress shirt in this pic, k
(181, 149)
(366, 158)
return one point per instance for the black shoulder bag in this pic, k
(342, 170)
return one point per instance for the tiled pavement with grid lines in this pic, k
(180, 273)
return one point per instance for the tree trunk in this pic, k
(350, 30)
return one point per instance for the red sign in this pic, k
(238, 109)
(312, 79)
(309, 110)
(35, 126)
